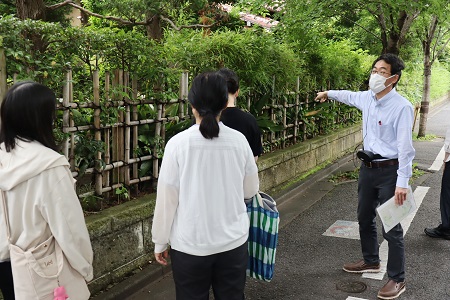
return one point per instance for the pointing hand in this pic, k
(322, 96)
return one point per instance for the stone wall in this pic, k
(121, 235)
(279, 169)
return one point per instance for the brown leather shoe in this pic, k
(391, 290)
(361, 267)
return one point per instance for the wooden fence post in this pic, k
(98, 134)
(72, 122)
(158, 128)
(183, 93)
(285, 127)
(3, 74)
(107, 134)
(297, 103)
(118, 149)
(303, 122)
(127, 150)
(272, 111)
(66, 114)
(135, 117)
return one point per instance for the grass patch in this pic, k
(354, 174)
(427, 137)
(440, 85)
(416, 172)
(411, 84)
(345, 176)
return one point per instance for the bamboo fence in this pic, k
(117, 165)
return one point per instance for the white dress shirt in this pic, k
(387, 127)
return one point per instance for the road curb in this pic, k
(134, 283)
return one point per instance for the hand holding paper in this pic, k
(392, 214)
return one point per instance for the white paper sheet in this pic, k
(392, 214)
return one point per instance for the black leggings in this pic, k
(6, 280)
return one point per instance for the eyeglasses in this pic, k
(382, 73)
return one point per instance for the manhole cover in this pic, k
(351, 286)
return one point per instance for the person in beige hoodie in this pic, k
(38, 189)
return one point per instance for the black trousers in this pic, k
(376, 186)
(225, 272)
(445, 197)
(6, 281)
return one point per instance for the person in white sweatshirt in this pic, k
(38, 190)
(206, 173)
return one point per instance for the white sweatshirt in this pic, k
(447, 146)
(41, 201)
(202, 184)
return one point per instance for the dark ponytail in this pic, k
(209, 96)
(209, 126)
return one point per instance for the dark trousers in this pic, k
(225, 272)
(6, 281)
(445, 197)
(376, 186)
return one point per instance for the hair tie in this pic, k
(206, 111)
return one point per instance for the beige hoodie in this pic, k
(41, 201)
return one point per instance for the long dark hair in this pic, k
(27, 113)
(209, 96)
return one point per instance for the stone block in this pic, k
(118, 248)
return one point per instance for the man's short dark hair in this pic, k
(231, 78)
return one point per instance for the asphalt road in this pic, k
(309, 264)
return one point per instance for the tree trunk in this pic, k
(427, 63)
(424, 105)
(30, 9)
(154, 30)
(392, 45)
(398, 32)
(35, 10)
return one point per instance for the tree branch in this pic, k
(123, 21)
(116, 19)
(440, 36)
(185, 26)
(58, 5)
(362, 27)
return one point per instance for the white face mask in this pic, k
(376, 83)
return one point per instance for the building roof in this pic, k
(251, 19)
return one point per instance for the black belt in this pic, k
(381, 163)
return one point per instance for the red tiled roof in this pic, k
(253, 19)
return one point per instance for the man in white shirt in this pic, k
(443, 230)
(386, 166)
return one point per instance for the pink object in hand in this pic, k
(60, 293)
